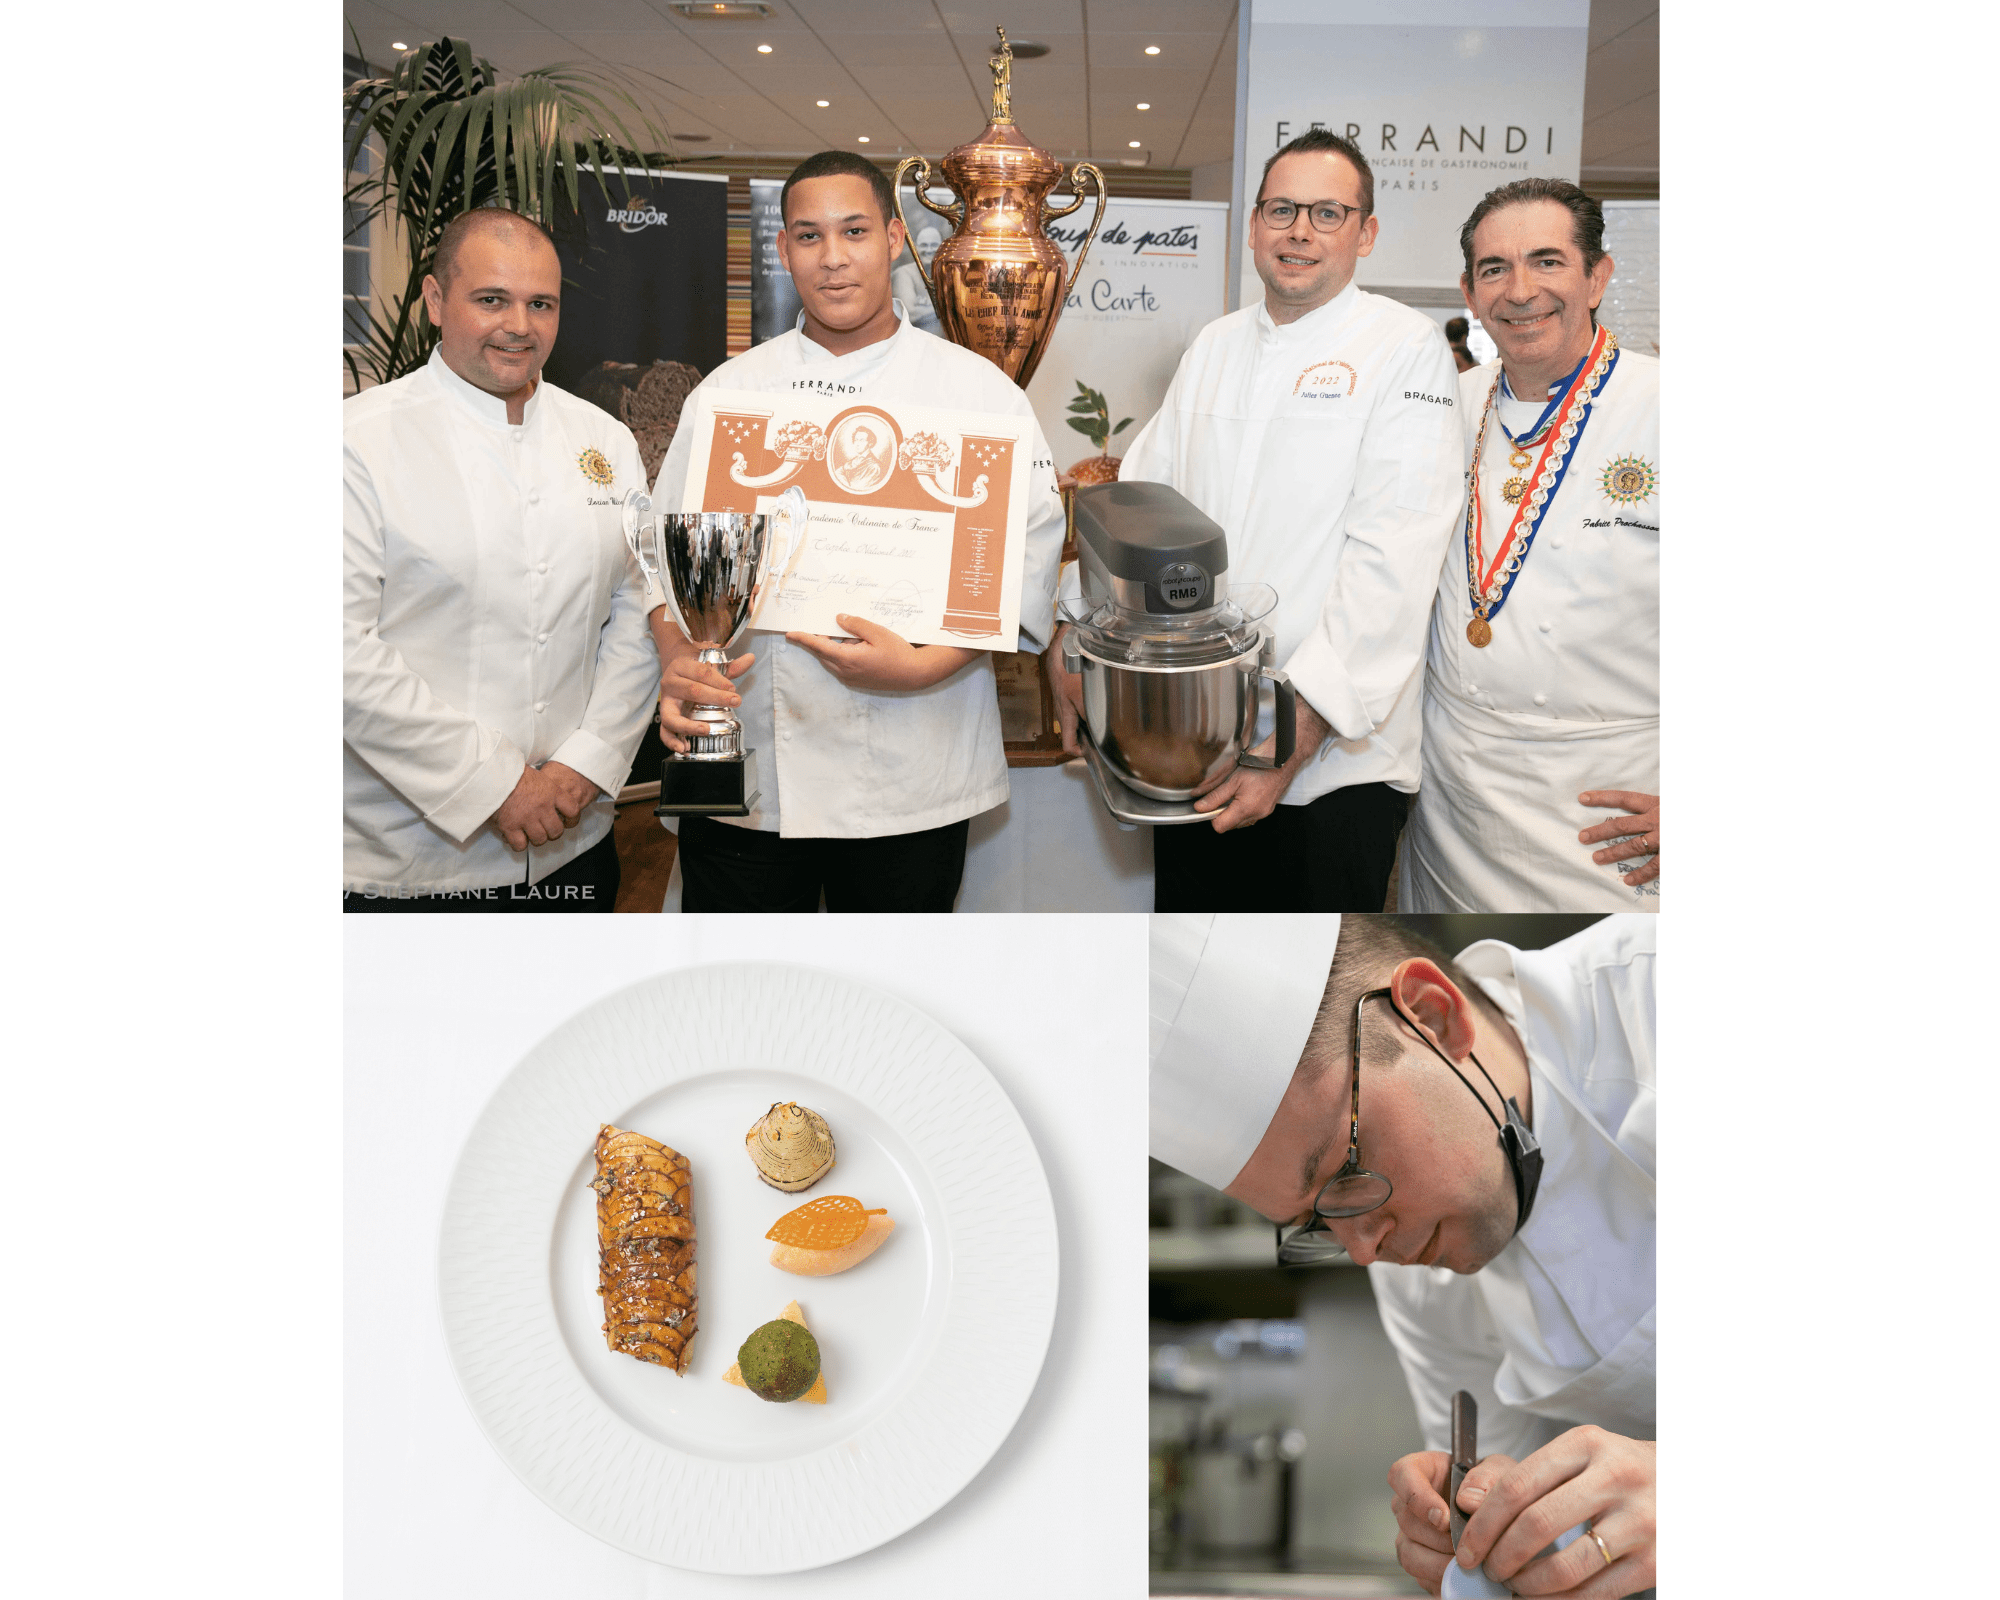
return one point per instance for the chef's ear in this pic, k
(1425, 996)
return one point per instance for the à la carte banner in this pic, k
(1155, 277)
(918, 516)
(1446, 98)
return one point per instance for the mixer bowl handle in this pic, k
(1287, 719)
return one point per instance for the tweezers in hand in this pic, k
(1464, 1454)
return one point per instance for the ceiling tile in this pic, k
(1025, 19)
(1206, 17)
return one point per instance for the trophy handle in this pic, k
(779, 562)
(636, 512)
(955, 215)
(1076, 176)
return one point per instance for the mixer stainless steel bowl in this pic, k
(1173, 732)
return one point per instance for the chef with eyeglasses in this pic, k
(1479, 1133)
(1319, 429)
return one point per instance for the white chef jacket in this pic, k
(1566, 697)
(1328, 451)
(1556, 1330)
(845, 763)
(494, 619)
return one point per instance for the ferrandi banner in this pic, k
(918, 516)
(1447, 99)
(1156, 276)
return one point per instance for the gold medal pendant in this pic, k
(1520, 460)
(1479, 633)
(1512, 490)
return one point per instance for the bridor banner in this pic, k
(1446, 98)
(645, 276)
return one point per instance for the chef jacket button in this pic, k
(541, 638)
(541, 705)
(544, 567)
(1555, 544)
(1541, 699)
(1472, 688)
(534, 497)
(1544, 626)
(517, 435)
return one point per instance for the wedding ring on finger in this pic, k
(1598, 1540)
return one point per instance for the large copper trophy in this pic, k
(998, 282)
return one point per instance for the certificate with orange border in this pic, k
(919, 516)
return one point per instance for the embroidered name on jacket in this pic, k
(1431, 399)
(1326, 380)
(823, 386)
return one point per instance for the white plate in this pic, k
(929, 1348)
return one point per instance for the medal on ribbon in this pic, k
(1491, 576)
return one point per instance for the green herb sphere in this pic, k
(779, 1361)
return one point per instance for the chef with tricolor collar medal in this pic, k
(1541, 751)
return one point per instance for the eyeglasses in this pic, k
(1326, 215)
(1354, 1191)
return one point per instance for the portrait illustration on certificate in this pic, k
(918, 516)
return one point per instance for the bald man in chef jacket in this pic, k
(1495, 1176)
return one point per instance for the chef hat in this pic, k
(1233, 999)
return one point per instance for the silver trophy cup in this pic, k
(712, 566)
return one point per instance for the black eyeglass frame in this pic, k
(1341, 206)
(1517, 1142)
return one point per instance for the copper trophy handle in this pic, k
(1076, 176)
(955, 215)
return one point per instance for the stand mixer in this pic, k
(1171, 654)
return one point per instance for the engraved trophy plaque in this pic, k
(712, 566)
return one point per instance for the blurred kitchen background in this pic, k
(1276, 1402)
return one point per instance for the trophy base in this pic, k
(694, 787)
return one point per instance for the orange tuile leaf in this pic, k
(827, 1223)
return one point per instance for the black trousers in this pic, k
(589, 883)
(741, 869)
(1331, 854)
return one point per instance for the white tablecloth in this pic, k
(433, 1025)
(1051, 847)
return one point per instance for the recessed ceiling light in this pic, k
(763, 49)
(754, 9)
(822, 102)
(1133, 145)
(399, 45)
(1027, 49)
(864, 138)
(1152, 49)
(1145, 105)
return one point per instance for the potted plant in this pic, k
(1093, 419)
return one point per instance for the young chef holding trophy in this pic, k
(1542, 698)
(1480, 1134)
(498, 675)
(880, 751)
(1319, 429)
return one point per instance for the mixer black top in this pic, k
(1148, 534)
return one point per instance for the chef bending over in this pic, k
(1479, 1134)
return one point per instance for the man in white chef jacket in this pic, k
(1493, 1168)
(880, 751)
(498, 671)
(1542, 697)
(1319, 429)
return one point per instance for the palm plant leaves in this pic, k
(455, 137)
